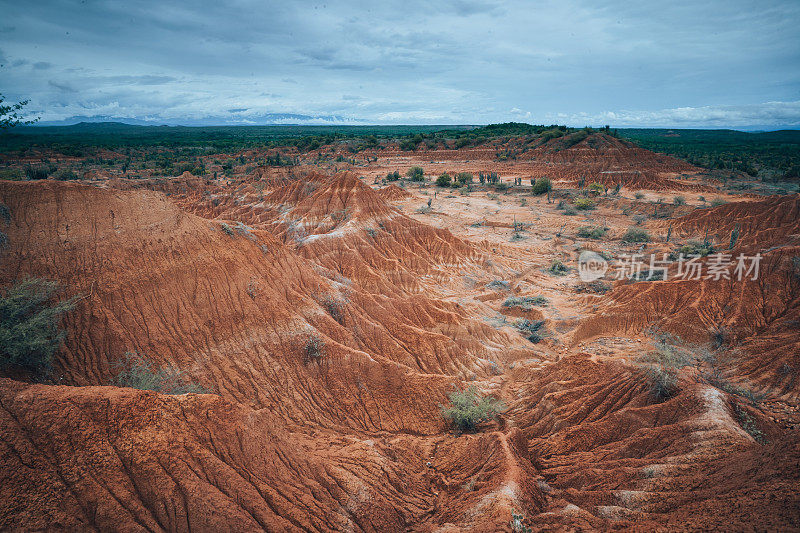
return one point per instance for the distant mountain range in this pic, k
(260, 120)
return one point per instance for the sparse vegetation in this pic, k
(532, 329)
(30, 331)
(541, 186)
(314, 350)
(557, 268)
(525, 302)
(635, 235)
(679, 200)
(716, 202)
(468, 408)
(416, 174)
(584, 204)
(137, 372)
(592, 232)
(444, 180)
(638, 195)
(226, 229)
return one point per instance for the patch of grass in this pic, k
(468, 408)
(716, 202)
(525, 302)
(748, 424)
(137, 372)
(593, 287)
(30, 329)
(636, 235)
(592, 232)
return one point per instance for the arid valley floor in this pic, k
(328, 312)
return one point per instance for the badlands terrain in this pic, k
(324, 313)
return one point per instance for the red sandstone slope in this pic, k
(356, 442)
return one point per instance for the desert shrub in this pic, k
(30, 331)
(541, 186)
(464, 178)
(500, 186)
(65, 175)
(226, 229)
(584, 204)
(717, 202)
(591, 232)
(314, 350)
(558, 268)
(38, 173)
(469, 408)
(416, 174)
(593, 287)
(636, 235)
(596, 188)
(444, 180)
(526, 302)
(748, 424)
(393, 176)
(570, 211)
(13, 174)
(639, 218)
(532, 329)
(497, 284)
(334, 306)
(638, 195)
(694, 247)
(679, 200)
(137, 372)
(663, 382)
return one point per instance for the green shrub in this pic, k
(596, 188)
(443, 180)
(636, 235)
(694, 247)
(541, 186)
(500, 186)
(226, 229)
(679, 200)
(464, 178)
(591, 232)
(526, 302)
(469, 408)
(137, 372)
(584, 204)
(558, 268)
(718, 202)
(532, 329)
(65, 175)
(416, 174)
(30, 331)
(393, 176)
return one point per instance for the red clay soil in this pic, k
(229, 280)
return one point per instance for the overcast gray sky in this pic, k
(718, 63)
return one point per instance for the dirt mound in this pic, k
(393, 193)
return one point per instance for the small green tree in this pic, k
(468, 408)
(30, 331)
(416, 174)
(443, 180)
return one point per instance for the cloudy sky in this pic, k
(713, 63)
